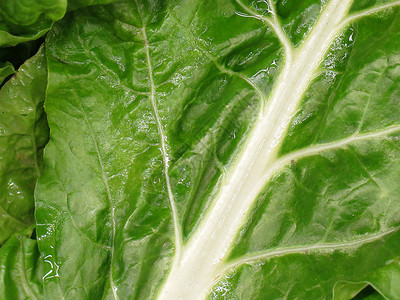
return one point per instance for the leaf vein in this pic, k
(109, 197)
(274, 25)
(165, 157)
(368, 12)
(324, 248)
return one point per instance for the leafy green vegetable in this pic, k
(386, 280)
(21, 271)
(26, 20)
(23, 133)
(368, 294)
(17, 55)
(222, 149)
(74, 4)
(6, 69)
(230, 149)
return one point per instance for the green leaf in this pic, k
(386, 280)
(350, 290)
(368, 294)
(20, 269)
(17, 55)
(361, 5)
(6, 69)
(75, 4)
(23, 133)
(26, 20)
(218, 149)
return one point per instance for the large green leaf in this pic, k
(23, 133)
(222, 149)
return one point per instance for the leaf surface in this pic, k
(212, 149)
(22, 21)
(6, 69)
(20, 268)
(27, 20)
(23, 133)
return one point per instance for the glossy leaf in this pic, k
(386, 280)
(17, 55)
(27, 20)
(368, 294)
(22, 21)
(20, 268)
(23, 133)
(6, 69)
(222, 149)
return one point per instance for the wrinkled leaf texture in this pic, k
(153, 185)
(27, 20)
(23, 134)
(6, 69)
(150, 111)
(21, 269)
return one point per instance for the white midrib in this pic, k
(193, 275)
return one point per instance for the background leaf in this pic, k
(22, 21)
(21, 268)
(6, 69)
(23, 133)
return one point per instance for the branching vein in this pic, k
(315, 249)
(368, 12)
(312, 150)
(280, 163)
(211, 242)
(274, 24)
(222, 68)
